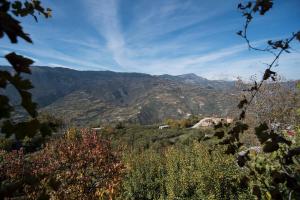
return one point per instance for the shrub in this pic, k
(145, 176)
(186, 172)
(82, 167)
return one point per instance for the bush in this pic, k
(145, 177)
(183, 123)
(82, 167)
(186, 172)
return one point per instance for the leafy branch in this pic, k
(12, 28)
(270, 179)
(283, 46)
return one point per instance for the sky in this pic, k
(159, 37)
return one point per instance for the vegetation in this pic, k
(183, 123)
(126, 161)
(80, 165)
(182, 172)
(139, 137)
(21, 65)
(274, 174)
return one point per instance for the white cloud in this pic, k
(54, 55)
(129, 48)
(156, 37)
(104, 16)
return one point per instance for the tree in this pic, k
(12, 28)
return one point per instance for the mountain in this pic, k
(93, 97)
(197, 80)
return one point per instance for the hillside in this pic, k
(92, 97)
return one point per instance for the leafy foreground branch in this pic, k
(273, 166)
(12, 28)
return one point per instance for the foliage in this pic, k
(183, 123)
(21, 65)
(275, 48)
(82, 167)
(138, 137)
(144, 177)
(35, 143)
(277, 175)
(182, 172)
(28, 144)
(6, 144)
(274, 171)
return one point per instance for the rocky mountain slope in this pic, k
(92, 97)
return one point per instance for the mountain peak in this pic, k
(191, 76)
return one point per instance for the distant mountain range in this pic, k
(94, 97)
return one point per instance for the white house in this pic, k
(210, 121)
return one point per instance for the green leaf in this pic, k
(12, 28)
(268, 73)
(20, 84)
(243, 158)
(242, 115)
(19, 63)
(17, 5)
(22, 129)
(270, 146)
(4, 77)
(45, 129)
(5, 108)
(263, 6)
(242, 103)
(28, 104)
(262, 133)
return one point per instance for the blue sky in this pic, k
(159, 37)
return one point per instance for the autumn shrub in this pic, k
(182, 172)
(82, 167)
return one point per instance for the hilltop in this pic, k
(92, 97)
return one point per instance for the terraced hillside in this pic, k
(91, 97)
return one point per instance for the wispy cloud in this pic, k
(104, 16)
(54, 55)
(156, 37)
(136, 47)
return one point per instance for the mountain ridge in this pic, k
(93, 97)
